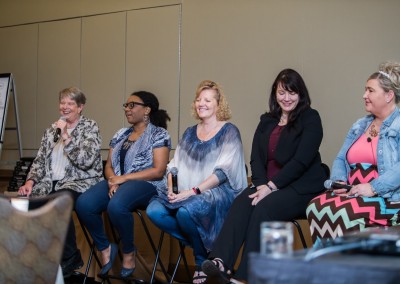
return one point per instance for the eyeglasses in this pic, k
(131, 105)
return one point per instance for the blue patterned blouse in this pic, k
(140, 155)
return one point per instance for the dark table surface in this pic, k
(339, 267)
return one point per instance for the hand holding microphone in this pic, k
(60, 124)
(329, 184)
(174, 175)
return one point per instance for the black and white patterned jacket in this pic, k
(85, 166)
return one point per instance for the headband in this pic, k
(384, 74)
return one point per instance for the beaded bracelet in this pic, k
(196, 190)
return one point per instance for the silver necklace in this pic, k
(208, 134)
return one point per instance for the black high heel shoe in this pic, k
(106, 267)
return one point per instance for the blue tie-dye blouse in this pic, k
(196, 160)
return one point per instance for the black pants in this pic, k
(70, 248)
(242, 224)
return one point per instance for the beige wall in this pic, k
(110, 48)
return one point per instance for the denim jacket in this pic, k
(387, 185)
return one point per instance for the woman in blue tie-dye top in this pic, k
(211, 173)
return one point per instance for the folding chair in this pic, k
(180, 257)
(92, 251)
(117, 240)
(296, 223)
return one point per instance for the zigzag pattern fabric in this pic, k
(331, 216)
(361, 172)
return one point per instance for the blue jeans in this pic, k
(179, 224)
(130, 195)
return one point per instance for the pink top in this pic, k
(362, 159)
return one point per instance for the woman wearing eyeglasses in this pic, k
(134, 172)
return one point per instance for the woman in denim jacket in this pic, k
(369, 160)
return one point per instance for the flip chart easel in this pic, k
(7, 90)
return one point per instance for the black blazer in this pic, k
(297, 151)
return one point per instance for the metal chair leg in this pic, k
(92, 251)
(155, 250)
(181, 256)
(300, 231)
(182, 248)
(156, 260)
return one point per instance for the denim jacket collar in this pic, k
(365, 123)
(388, 121)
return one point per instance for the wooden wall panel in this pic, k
(241, 44)
(103, 72)
(59, 59)
(152, 62)
(19, 57)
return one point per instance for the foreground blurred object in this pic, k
(31, 243)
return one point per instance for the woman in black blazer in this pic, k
(286, 175)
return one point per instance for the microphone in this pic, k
(329, 184)
(57, 133)
(369, 139)
(174, 173)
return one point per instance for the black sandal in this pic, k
(199, 276)
(216, 271)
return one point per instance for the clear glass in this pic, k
(276, 239)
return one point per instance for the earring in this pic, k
(146, 119)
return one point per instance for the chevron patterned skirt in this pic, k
(331, 216)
